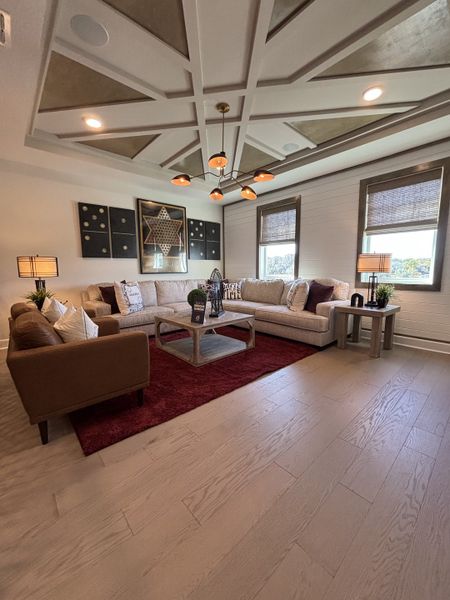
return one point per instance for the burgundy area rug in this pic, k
(177, 387)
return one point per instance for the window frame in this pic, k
(442, 226)
(294, 202)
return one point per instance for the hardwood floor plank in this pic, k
(242, 573)
(190, 563)
(423, 441)
(328, 536)
(374, 561)
(426, 572)
(297, 577)
(436, 412)
(368, 472)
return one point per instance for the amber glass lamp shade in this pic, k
(248, 193)
(263, 175)
(216, 194)
(218, 161)
(181, 180)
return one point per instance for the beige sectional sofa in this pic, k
(266, 300)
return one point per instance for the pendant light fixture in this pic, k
(219, 161)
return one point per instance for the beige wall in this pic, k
(328, 239)
(39, 216)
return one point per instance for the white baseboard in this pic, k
(413, 342)
(4, 344)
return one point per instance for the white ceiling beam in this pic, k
(180, 155)
(264, 15)
(331, 113)
(126, 132)
(97, 64)
(190, 10)
(304, 141)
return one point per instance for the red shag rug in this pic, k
(177, 387)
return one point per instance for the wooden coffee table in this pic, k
(199, 349)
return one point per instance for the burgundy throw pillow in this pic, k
(109, 296)
(318, 293)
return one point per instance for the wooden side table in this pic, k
(377, 315)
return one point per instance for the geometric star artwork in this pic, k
(162, 237)
(163, 231)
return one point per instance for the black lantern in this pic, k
(215, 293)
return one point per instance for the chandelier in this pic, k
(219, 161)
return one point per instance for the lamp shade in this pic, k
(181, 180)
(248, 193)
(36, 267)
(218, 161)
(374, 263)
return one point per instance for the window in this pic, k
(278, 240)
(405, 214)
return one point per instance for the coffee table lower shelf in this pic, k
(212, 347)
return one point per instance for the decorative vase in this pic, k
(383, 302)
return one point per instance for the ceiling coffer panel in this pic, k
(163, 18)
(191, 164)
(252, 159)
(423, 40)
(283, 11)
(69, 84)
(124, 146)
(323, 130)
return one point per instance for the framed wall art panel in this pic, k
(162, 237)
(94, 230)
(123, 232)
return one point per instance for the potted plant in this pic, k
(384, 293)
(38, 296)
(197, 299)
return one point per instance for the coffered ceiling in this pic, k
(293, 72)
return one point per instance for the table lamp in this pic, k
(373, 263)
(38, 267)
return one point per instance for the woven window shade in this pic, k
(278, 225)
(404, 203)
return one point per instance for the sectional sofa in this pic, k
(266, 300)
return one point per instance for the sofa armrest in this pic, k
(107, 326)
(101, 309)
(62, 378)
(326, 309)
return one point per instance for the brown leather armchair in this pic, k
(58, 378)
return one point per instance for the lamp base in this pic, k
(40, 284)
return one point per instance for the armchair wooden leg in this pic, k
(43, 430)
(140, 397)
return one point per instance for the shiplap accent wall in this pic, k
(328, 239)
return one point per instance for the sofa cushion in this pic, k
(260, 290)
(169, 291)
(297, 296)
(243, 306)
(281, 315)
(93, 290)
(180, 307)
(32, 330)
(128, 296)
(143, 317)
(341, 288)
(52, 309)
(108, 294)
(287, 287)
(21, 307)
(318, 293)
(148, 293)
(75, 326)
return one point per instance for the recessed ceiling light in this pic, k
(372, 93)
(93, 122)
(89, 30)
(291, 147)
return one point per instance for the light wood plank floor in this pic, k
(329, 479)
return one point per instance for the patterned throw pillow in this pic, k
(232, 291)
(297, 295)
(128, 296)
(206, 287)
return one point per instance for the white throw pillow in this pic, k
(232, 291)
(52, 309)
(297, 295)
(129, 297)
(76, 326)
